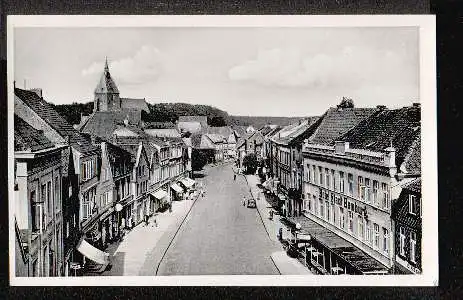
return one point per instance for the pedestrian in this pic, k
(155, 222)
(146, 220)
(244, 201)
(170, 207)
(234, 176)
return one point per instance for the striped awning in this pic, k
(188, 182)
(177, 188)
(159, 194)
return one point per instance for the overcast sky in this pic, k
(244, 71)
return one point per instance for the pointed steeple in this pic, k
(106, 68)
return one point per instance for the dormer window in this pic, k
(412, 205)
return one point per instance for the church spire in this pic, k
(106, 68)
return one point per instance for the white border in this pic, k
(428, 99)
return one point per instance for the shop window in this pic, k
(402, 241)
(385, 240)
(376, 228)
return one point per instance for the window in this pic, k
(327, 210)
(70, 191)
(385, 240)
(361, 228)
(320, 172)
(57, 194)
(342, 220)
(35, 269)
(412, 205)
(86, 207)
(368, 233)
(35, 212)
(350, 179)
(49, 200)
(376, 227)
(67, 229)
(334, 180)
(314, 174)
(350, 216)
(413, 246)
(43, 193)
(402, 241)
(341, 182)
(88, 169)
(367, 190)
(385, 191)
(321, 209)
(361, 188)
(328, 180)
(375, 192)
(309, 173)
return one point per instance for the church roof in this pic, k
(103, 123)
(134, 103)
(106, 83)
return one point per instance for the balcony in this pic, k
(342, 150)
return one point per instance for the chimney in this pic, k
(341, 147)
(381, 107)
(417, 105)
(389, 157)
(37, 91)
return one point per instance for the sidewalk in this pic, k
(285, 264)
(289, 266)
(264, 208)
(143, 247)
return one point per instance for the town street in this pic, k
(221, 236)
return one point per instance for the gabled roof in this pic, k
(240, 130)
(134, 103)
(206, 143)
(414, 186)
(159, 125)
(216, 138)
(106, 84)
(399, 128)
(103, 123)
(222, 130)
(336, 122)
(46, 112)
(200, 119)
(196, 140)
(168, 132)
(117, 152)
(192, 127)
(27, 138)
(293, 131)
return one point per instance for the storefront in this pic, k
(159, 198)
(327, 253)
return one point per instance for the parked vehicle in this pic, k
(251, 203)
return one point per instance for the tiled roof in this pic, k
(133, 103)
(414, 186)
(291, 132)
(55, 120)
(168, 132)
(118, 152)
(27, 138)
(412, 162)
(222, 130)
(216, 138)
(240, 130)
(200, 119)
(159, 125)
(192, 127)
(196, 140)
(400, 209)
(187, 142)
(335, 122)
(398, 128)
(106, 84)
(103, 123)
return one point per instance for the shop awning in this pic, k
(159, 194)
(93, 253)
(177, 188)
(188, 182)
(339, 246)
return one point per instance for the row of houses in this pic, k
(77, 188)
(351, 180)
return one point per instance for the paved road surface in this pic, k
(221, 236)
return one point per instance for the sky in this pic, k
(244, 71)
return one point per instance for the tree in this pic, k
(346, 103)
(217, 121)
(250, 163)
(198, 160)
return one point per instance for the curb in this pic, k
(175, 234)
(258, 210)
(275, 264)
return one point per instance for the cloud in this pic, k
(349, 67)
(145, 66)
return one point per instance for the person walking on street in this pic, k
(146, 220)
(244, 201)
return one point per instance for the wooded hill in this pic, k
(169, 112)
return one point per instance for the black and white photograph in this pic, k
(222, 150)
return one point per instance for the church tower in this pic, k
(106, 93)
